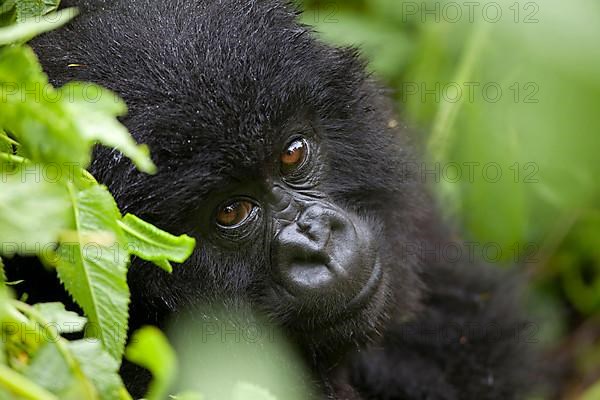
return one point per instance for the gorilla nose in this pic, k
(309, 253)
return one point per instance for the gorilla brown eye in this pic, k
(294, 155)
(234, 213)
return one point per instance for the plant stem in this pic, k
(21, 386)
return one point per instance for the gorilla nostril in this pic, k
(303, 226)
(315, 223)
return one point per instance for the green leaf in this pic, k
(95, 274)
(99, 367)
(49, 370)
(62, 320)
(35, 8)
(93, 109)
(31, 109)
(8, 13)
(32, 212)
(22, 387)
(152, 244)
(150, 349)
(249, 391)
(25, 30)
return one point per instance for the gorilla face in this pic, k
(319, 255)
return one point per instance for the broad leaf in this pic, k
(99, 367)
(36, 116)
(94, 111)
(95, 273)
(150, 243)
(49, 369)
(34, 8)
(32, 212)
(149, 348)
(62, 320)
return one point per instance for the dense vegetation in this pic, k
(505, 95)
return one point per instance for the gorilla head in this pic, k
(278, 153)
(273, 149)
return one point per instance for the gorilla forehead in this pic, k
(212, 86)
(231, 72)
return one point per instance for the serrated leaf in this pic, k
(95, 274)
(62, 320)
(32, 213)
(153, 244)
(25, 30)
(99, 367)
(150, 349)
(94, 111)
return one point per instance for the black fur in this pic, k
(211, 86)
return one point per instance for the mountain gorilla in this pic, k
(281, 156)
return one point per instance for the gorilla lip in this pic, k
(356, 303)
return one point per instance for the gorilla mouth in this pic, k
(299, 315)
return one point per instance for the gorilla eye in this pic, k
(294, 155)
(234, 213)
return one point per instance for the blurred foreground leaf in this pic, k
(150, 349)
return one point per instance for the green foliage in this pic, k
(150, 349)
(62, 320)
(27, 29)
(50, 206)
(152, 244)
(93, 268)
(36, 222)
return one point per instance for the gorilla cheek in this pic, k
(326, 261)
